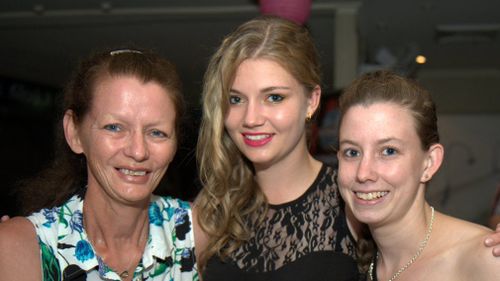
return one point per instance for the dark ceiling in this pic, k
(42, 40)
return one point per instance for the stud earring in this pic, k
(308, 117)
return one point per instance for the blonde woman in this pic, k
(270, 211)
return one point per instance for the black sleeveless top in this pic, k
(305, 239)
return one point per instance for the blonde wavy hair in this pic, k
(230, 193)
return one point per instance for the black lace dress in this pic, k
(306, 239)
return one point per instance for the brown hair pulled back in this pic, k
(68, 172)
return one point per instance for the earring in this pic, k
(308, 117)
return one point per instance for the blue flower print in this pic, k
(76, 221)
(182, 223)
(186, 253)
(170, 212)
(103, 268)
(183, 204)
(155, 216)
(49, 216)
(180, 216)
(83, 251)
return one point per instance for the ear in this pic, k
(433, 161)
(71, 132)
(314, 100)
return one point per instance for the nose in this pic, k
(366, 169)
(137, 147)
(253, 115)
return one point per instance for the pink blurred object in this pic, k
(295, 10)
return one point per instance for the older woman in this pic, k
(98, 216)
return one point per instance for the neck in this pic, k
(402, 241)
(118, 233)
(285, 181)
(113, 224)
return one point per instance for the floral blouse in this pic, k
(67, 254)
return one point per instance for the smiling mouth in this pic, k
(132, 172)
(371, 195)
(257, 137)
(257, 140)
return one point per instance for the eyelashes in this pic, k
(112, 127)
(270, 98)
(155, 133)
(353, 153)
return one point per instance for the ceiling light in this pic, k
(420, 59)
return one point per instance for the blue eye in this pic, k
(113, 127)
(351, 153)
(275, 98)
(389, 151)
(234, 100)
(158, 134)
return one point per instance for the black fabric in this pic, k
(74, 273)
(316, 266)
(305, 239)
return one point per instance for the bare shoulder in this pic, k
(474, 259)
(16, 231)
(19, 251)
(480, 260)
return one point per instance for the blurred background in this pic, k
(451, 46)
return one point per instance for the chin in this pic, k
(137, 195)
(369, 220)
(366, 216)
(260, 160)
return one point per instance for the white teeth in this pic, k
(371, 195)
(132, 173)
(256, 137)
